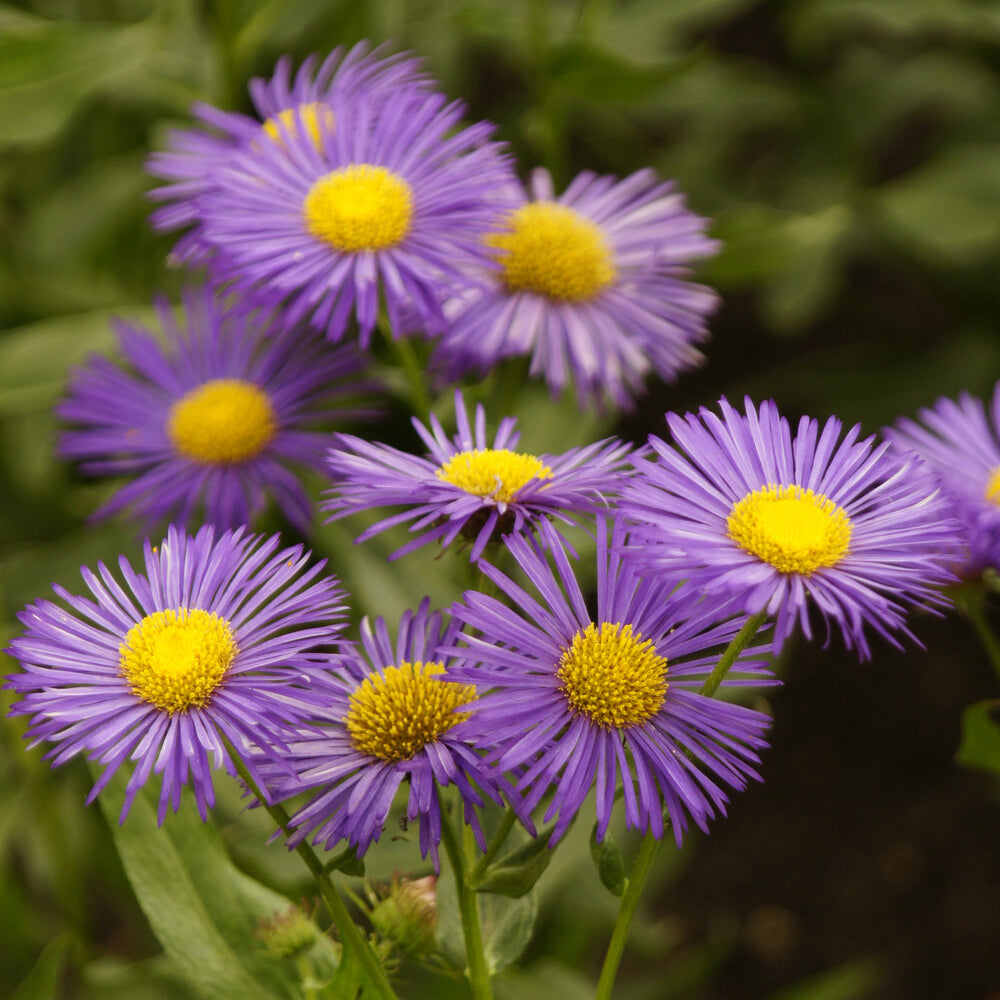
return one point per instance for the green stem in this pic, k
(346, 929)
(468, 905)
(971, 604)
(493, 848)
(420, 399)
(647, 850)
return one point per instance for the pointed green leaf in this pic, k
(607, 858)
(202, 908)
(516, 873)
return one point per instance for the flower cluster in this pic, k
(359, 199)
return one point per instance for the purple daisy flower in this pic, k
(592, 285)
(389, 717)
(221, 636)
(572, 700)
(210, 424)
(467, 486)
(781, 522)
(193, 155)
(387, 209)
(960, 441)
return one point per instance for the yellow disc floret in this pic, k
(360, 207)
(993, 487)
(612, 676)
(551, 250)
(397, 712)
(316, 117)
(176, 659)
(492, 472)
(224, 421)
(795, 530)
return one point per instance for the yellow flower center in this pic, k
(360, 207)
(492, 472)
(795, 530)
(993, 487)
(316, 117)
(552, 250)
(615, 678)
(394, 714)
(223, 421)
(176, 659)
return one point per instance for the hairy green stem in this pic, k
(733, 650)
(346, 929)
(650, 844)
(468, 906)
(626, 911)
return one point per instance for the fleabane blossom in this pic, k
(281, 103)
(213, 418)
(593, 285)
(218, 636)
(783, 523)
(387, 211)
(574, 699)
(388, 721)
(960, 440)
(469, 486)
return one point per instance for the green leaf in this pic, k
(607, 858)
(35, 359)
(348, 862)
(201, 907)
(507, 925)
(851, 981)
(516, 873)
(948, 209)
(48, 68)
(980, 746)
(43, 980)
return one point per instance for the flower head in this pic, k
(743, 508)
(282, 104)
(210, 423)
(592, 285)
(388, 209)
(221, 636)
(572, 699)
(467, 485)
(388, 717)
(960, 440)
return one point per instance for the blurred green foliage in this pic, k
(849, 151)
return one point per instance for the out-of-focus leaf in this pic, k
(543, 980)
(795, 258)
(947, 210)
(109, 978)
(851, 981)
(607, 858)
(201, 907)
(595, 73)
(35, 359)
(47, 68)
(980, 746)
(42, 982)
(820, 22)
(507, 925)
